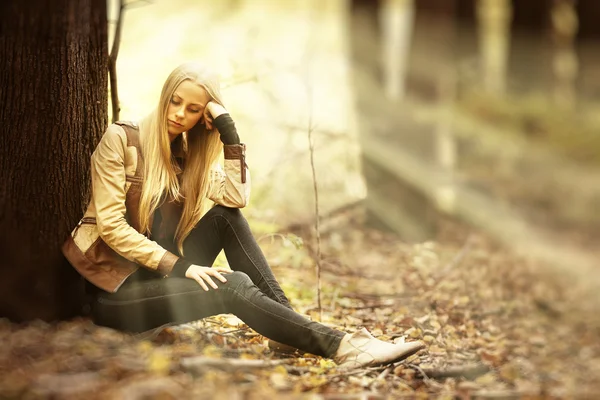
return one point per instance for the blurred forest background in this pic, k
(482, 110)
(457, 159)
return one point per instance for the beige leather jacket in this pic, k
(106, 246)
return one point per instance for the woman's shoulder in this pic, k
(114, 135)
(123, 132)
(127, 124)
(118, 138)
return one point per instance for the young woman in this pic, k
(150, 236)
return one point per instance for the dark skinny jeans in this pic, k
(146, 301)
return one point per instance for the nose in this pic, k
(179, 112)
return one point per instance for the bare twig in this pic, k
(229, 364)
(353, 208)
(151, 334)
(317, 227)
(366, 297)
(309, 98)
(231, 333)
(329, 134)
(458, 257)
(316, 191)
(468, 371)
(368, 306)
(501, 394)
(272, 236)
(112, 64)
(426, 379)
(423, 373)
(384, 373)
(334, 298)
(456, 260)
(114, 53)
(136, 3)
(357, 371)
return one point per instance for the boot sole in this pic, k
(400, 358)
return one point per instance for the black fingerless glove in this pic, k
(182, 265)
(226, 128)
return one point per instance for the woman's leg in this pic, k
(143, 305)
(226, 228)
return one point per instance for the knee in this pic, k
(229, 213)
(227, 216)
(237, 279)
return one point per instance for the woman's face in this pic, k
(186, 108)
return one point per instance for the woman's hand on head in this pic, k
(204, 275)
(212, 111)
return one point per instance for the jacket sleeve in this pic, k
(231, 187)
(109, 193)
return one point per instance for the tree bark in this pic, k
(53, 90)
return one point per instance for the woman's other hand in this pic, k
(203, 275)
(212, 111)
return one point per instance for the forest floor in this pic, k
(496, 326)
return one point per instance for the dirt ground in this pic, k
(496, 326)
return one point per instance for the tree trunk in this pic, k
(494, 18)
(565, 23)
(53, 90)
(397, 18)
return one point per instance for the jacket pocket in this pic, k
(85, 233)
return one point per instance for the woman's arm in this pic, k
(108, 193)
(231, 187)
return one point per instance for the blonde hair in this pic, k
(202, 149)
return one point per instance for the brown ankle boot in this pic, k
(361, 349)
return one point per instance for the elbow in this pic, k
(240, 202)
(106, 230)
(243, 198)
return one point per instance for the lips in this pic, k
(175, 123)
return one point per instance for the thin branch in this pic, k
(456, 260)
(384, 373)
(112, 64)
(426, 379)
(356, 371)
(316, 191)
(272, 236)
(352, 208)
(309, 97)
(467, 371)
(228, 364)
(136, 3)
(152, 334)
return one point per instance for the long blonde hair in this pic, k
(202, 149)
